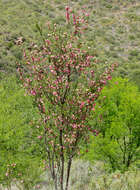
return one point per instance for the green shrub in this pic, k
(18, 163)
(118, 122)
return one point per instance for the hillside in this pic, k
(114, 33)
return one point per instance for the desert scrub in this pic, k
(127, 181)
(18, 19)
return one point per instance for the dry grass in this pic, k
(85, 176)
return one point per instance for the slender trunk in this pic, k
(54, 174)
(62, 161)
(130, 156)
(124, 151)
(51, 164)
(55, 183)
(68, 172)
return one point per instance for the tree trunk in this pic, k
(68, 172)
(62, 161)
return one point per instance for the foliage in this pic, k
(118, 123)
(18, 162)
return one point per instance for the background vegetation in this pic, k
(116, 118)
(113, 35)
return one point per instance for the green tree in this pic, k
(118, 123)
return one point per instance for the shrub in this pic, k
(118, 124)
(18, 163)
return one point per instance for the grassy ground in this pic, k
(114, 33)
(85, 176)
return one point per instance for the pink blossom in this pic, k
(40, 137)
(70, 46)
(33, 59)
(96, 132)
(52, 71)
(6, 174)
(28, 63)
(28, 80)
(67, 8)
(93, 109)
(87, 14)
(33, 92)
(73, 117)
(99, 89)
(88, 101)
(74, 126)
(67, 14)
(109, 77)
(40, 87)
(103, 81)
(74, 19)
(55, 93)
(48, 42)
(82, 104)
(25, 84)
(24, 54)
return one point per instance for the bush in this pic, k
(17, 161)
(118, 124)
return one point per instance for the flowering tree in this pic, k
(62, 79)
